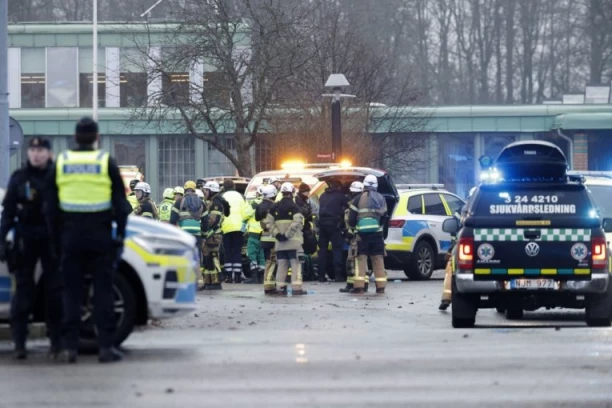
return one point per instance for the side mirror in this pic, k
(451, 225)
(607, 225)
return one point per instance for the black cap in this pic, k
(304, 188)
(39, 142)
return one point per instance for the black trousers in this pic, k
(232, 251)
(331, 234)
(35, 249)
(101, 267)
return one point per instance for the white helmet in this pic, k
(269, 191)
(212, 186)
(200, 193)
(370, 181)
(287, 187)
(260, 190)
(356, 187)
(144, 187)
(273, 180)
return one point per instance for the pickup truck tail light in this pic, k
(599, 252)
(465, 248)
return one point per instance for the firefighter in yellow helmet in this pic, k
(189, 213)
(179, 193)
(165, 209)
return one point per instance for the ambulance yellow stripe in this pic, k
(548, 271)
(482, 271)
(516, 271)
(582, 271)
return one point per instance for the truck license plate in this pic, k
(532, 284)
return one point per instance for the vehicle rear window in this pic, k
(528, 202)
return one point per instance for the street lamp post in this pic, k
(336, 82)
(5, 144)
(95, 62)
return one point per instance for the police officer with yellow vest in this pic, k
(86, 194)
(367, 215)
(165, 208)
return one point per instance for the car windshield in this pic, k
(602, 195)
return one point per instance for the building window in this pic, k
(495, 142)
(216, 93)
(131, 150)
(176, 160)
(133, 78)
(456, 162)
(62, 77)
(33, 78)
(86, 77)
(175, 88)
(218, 164)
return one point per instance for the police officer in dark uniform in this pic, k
(331, 224)
(23, 211)
(86, 195)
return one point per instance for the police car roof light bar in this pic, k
(418, 186)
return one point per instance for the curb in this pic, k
(36, 331)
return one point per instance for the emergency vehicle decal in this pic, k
(518, 271)
(186, 285)
(546, 234)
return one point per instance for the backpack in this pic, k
(192, 204)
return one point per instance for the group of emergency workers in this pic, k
(63, 215)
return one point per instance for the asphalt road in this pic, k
(330, 350)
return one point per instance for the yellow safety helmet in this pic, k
(179, 190)
(190, 185)
(168, 193)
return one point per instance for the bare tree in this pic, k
(252, 46)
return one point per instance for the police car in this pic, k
(531, 240)
(416, 242)
(156, 279)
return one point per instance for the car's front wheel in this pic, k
(125, 313)
(423, 262)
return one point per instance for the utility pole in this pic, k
(94, 69)
(5, 142)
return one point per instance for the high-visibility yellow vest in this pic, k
(165, 210)
(234, 222)
(133, 200)
(253, 226)
(83, 182)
